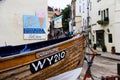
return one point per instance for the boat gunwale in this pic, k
(38, 50)
(44, 55)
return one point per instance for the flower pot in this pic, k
(94, 46)
(104, 49)
(113, 50)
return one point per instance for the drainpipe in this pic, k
(118, 70)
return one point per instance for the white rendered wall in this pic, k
(102, 5)
(78, 15)
(78, 7)
(117, 26)
(84, 12)
(11, 19)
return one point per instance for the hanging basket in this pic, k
(102, 22)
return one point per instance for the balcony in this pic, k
(103, 22)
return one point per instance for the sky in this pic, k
(58, 3)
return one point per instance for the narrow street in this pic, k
(102, 67)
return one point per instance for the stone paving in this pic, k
(110, 56)
(104, 67)
(105, 54)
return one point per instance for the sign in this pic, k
(58, 22)
(38, 55)
(46, 62)
(35, 26)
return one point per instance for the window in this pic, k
(104, 14)
(93, 38)
(107, 12)
(83, 22)
(80, 9)
(101, 15)
(110, 38)
(99, 12)
(98, 0)
(83, 7)
(79, 1)
(90, 6)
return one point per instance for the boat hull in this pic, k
(44, 63)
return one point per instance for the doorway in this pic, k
(100, 38)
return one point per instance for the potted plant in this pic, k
(89, 41)
(104, 49)
(94, 46)
(113, 49)
(102, 22)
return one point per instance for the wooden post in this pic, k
(118, 70)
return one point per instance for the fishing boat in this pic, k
(42, 60)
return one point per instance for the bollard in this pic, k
(103, 78)
(112, 78)
(118, 70)
(109, 78)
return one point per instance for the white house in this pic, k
(11, 19)
(82, 13)
(72, 22)
(105, 22)
(77, 15)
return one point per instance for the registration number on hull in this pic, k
(46, 62)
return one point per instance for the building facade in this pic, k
(50, 13)
(72, 23)
(76, 22)
(84, 12)
(78, 16)
(76, 6)
(105, 21)
(51, 24)
(11, 19)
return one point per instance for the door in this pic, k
(100, 38)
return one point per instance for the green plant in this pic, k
(102, 22)
(66, 17)
(89, 41)
(94, 46)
